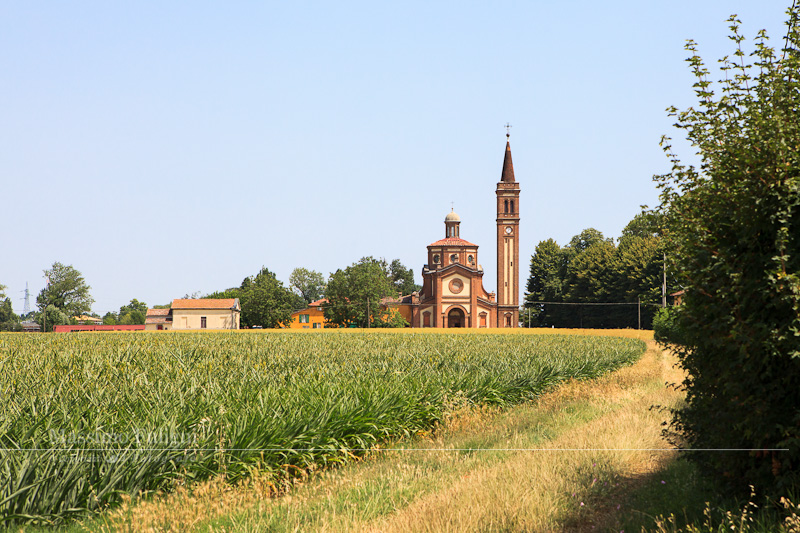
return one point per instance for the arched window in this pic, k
(506, 211)
(512, 207)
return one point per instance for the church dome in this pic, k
(452, 217)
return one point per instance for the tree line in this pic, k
(594, 272)
(354, 296)
(590, 269)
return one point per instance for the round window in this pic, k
(456, 286)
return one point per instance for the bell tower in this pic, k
(507, 244)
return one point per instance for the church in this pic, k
(452, 294)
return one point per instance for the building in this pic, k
(452, 294)
(677, 297)
(30, 326)
(507, 194)
(89, 320)
(311, 317)
(197, 313)
(158, 320)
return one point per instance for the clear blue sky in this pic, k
(164, 148)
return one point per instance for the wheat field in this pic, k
(89, 418)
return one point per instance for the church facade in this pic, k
(452, 294)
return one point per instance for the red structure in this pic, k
(66, 328)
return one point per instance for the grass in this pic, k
(679, 498)
(538, 462)
(587, 468)
(95, 419)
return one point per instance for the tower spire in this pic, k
(507, 243)
(508, 166)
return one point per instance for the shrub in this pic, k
(734, 231)
(665, 326)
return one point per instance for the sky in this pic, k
(172, 148)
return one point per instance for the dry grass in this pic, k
(533, 491)
(573, 437)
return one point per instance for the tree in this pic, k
(265, 301)
(645, 224)
(733, 226)
(402, 278)
(134, 312)
(544, 282)
(234, 292)
(309, 284)
(110, 319)
(588, 276)
(66, 290)
(585, 239)
(355, 293)
(55, 317)
(592, 270)
(8, 320)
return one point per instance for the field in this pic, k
(89, 417)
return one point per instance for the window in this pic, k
(203, 322)
(317, 325)
(304, 319)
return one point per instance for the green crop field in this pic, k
(87, 417)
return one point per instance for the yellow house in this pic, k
(400, 305)
(198, 313)
(311, 317)
(86, 319)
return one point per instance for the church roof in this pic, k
(452, 241)
(508, 166)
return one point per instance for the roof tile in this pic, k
(204, 303)
(452, 241)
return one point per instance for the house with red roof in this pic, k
(312, 317)
(196, 314)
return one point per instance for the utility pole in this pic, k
(639, 301)
(367, 313)
(664, 284)
(27, 307)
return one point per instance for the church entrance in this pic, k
(455, 318)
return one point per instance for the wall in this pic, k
(316, 319)
(215, 318)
